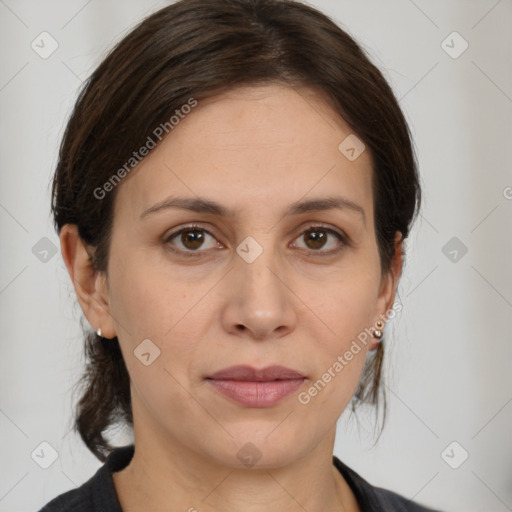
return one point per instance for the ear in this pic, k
(90, 285)
(388, 286)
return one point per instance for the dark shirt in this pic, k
(98, 494)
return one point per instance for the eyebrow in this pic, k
(204, 205)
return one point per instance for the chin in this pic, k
(258, 449)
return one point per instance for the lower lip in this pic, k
(256, 394)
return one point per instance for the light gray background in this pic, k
(449, 351)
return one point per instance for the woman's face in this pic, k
(251, 287)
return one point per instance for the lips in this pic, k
(250, 374)
(256, 388)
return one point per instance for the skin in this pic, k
(256, 150)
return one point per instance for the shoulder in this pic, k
(98, 494)
(392, 501)
(78, 500)
(372, 498)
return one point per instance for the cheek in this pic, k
(339, 351)
(170, 313)
(340, 322)
(344, 307)
(142, 301)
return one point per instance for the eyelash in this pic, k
(345, 241)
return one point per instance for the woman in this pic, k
(233, 192)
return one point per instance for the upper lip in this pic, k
(250, 374)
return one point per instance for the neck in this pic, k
(167, 483)
(164, 474)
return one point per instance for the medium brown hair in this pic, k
(197, 49)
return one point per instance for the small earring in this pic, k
(377, 333)
(98, 332)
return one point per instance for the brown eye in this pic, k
(192, 238)
(316, 238)
(321, 240)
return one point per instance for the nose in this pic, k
(259, 303)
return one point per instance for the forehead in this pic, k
(252, 146)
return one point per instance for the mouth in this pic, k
(256, 388)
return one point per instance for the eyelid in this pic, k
(189, 227)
